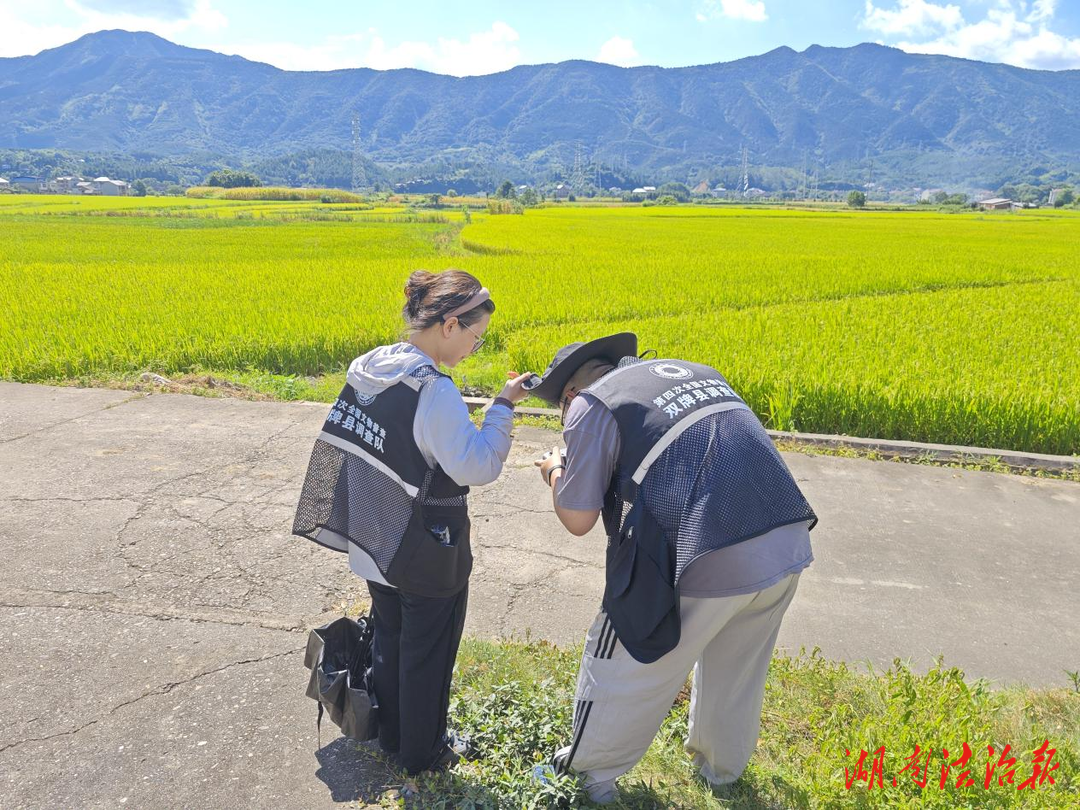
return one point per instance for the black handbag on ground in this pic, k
(339, 657)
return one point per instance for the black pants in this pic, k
(416, 642)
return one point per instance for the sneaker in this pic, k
(461, 745)
(455, 748)
(446, 760)
(543, 773)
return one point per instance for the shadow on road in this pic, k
(354, 772)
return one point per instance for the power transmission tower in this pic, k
(803, 189)
(359, 175)
(745, 171)
(578, 175)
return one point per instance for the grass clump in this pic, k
(514, 700)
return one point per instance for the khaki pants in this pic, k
(620, 703)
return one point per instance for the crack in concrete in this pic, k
(515, 594)
(164, 689)
(164, 617)
(54, 498)
(44, 428)
(67, 592)
(573, 561)
(118, 537)
(155, 499)
(515, 507)
(111, 603)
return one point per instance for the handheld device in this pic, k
(532, 382)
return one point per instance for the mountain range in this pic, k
(917, 118)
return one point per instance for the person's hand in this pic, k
(547, 462)
(513, 390)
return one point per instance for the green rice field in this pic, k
(950, 327)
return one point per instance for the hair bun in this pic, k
(429, 296)
(416, 288)
(419, 282)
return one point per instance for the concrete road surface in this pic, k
(153, 605)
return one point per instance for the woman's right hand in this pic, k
(513, 390)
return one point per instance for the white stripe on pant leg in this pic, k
(605, 628)
(594, 637)
(564, 756)
(630, 701)
(610, 649)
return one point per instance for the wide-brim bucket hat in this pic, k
(570, 358)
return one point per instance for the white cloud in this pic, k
(1013, 31)
(618, 51)
(482, 52)
(167, 18)
(1042, 10)
(381, 56)
(911, 17)
(156, 9)
(487, 51)
(752, 10)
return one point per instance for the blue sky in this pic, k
(466, 38)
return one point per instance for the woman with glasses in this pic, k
(387, 484)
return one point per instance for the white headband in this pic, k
(475, 301)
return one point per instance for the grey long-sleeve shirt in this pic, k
(442, 429)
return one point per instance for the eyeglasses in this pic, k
(479, 340)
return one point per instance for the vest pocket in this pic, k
(639, 594)
(435, 556)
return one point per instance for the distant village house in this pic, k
(70, 184)
(64, 185)
(110, 188)
(28, 183)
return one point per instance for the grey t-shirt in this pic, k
(592, 448)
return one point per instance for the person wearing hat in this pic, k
(707, 534)
(387, 484)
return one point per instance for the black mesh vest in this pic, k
(696, 472)
(368, 484)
